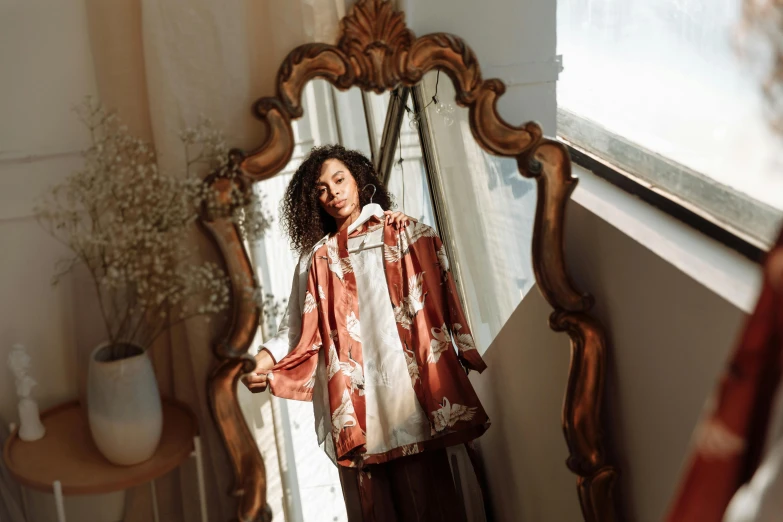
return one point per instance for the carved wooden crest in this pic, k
(377, 52)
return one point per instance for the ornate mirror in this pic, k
(379, 62)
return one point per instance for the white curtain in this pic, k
(162, 64)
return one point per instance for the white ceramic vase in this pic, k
(123, 404)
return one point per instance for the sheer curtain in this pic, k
(162, 64)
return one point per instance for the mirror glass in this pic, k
(407, 178)
(423, 148)
(376, 109)
(299, 473)
(493, 240)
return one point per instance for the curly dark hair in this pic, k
(302, 217)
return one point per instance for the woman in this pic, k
(369, 337)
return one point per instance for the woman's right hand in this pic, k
(257, 380)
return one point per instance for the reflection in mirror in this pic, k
(492, 243)
(349, 114)
(434, 168)
(375, 107)
(302, 481)
(407, 178)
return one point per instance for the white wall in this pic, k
(669, 337)
(522, 390)
(47, 68)
(40, 140)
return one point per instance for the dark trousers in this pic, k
(416, 488)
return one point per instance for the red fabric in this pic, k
(729, 441)
(428, 315)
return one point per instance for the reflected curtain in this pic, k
(162, 65)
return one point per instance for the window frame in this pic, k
(392, 126)
(669, 186)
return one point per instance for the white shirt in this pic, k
(394, 416)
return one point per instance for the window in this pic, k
(656, 88)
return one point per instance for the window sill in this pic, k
(719, 268)
(715, 209)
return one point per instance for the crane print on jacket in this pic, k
(430, 324)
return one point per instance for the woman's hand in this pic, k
(257, 381)
(397, 219)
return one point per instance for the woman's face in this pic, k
(337, 190)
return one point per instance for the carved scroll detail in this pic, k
(234, 361)
(377, 52)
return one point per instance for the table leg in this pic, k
(202, 495)
(154, 493)
(58, 500)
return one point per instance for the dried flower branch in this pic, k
(131, 226)
(272, 311)
(206, 150)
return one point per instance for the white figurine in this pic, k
(30, 427)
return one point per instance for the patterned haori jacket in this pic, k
(429, 318)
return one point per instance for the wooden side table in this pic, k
(66, 462)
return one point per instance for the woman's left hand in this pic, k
(397, 219)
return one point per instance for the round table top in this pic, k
(67, 453)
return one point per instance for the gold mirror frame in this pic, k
(377, 52)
